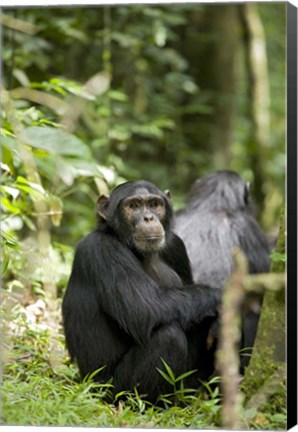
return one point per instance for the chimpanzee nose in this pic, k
(148, 217)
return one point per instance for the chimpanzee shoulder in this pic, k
(175, 255)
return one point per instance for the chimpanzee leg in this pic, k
(250, 327)
(138, 366)
(202, 342)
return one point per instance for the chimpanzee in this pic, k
(218, 217)
(130, 301)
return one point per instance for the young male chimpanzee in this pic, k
(131, 301)
(217, 218)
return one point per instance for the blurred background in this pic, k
(94, 96)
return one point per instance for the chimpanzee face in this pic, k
(144, 214)
(138, 214)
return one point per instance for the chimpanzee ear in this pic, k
(102, 206)
(168, 194)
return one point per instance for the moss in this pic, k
(269, 350)
(277, 403)
(263, 367)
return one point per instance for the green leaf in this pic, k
(9, 142)
(4, 261)
(71, 87)
(165, 400)
(118, 96)
(35, 190)
(278, 417)
(29, 223)
(36, 186)
(9, 239)
(168, 369)
(166, 377)
(5, 132)
(148, 130)
(250, 413)
(14, 192)
(185, 375)
(9, 206)
(65, 171)
(55, 141)
(277, 256)
(89, 377)
(85, 169)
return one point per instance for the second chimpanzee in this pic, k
(217, 218)
(131, 302)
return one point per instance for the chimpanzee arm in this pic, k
(175, 255)
(127, 294)
(254, 243)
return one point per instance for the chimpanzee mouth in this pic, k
(150, 244)
(149, 238)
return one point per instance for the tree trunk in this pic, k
(212, 52)
(258, 93)
(268, 358)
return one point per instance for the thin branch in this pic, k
(264, 282)
(230, 336)
(42, 98)
(18, 24)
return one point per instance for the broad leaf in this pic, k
(55, 141)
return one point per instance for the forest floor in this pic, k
(41, 388)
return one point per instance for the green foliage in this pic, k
(149, 121)
(180, 393)
(40, 388)
(277, 256)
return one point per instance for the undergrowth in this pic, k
(41, 388)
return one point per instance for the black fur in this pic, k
(126, 311)
(218, 217)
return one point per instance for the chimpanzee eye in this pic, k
(134, 205)
(154, 203)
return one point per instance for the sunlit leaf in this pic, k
(9, 239)
(55, 141)
(7, 204)
(277, 256)
(14, 192)
(65, 171)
